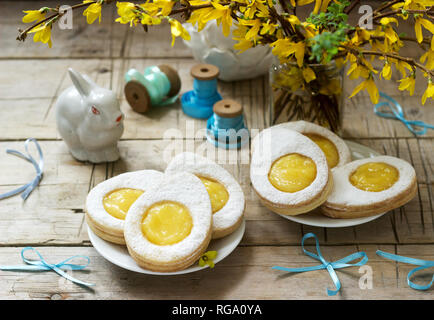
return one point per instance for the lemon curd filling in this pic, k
(327, 147)
(217, 193)
(166, 223)
(292, 173)
(119, 201)
(374, 176)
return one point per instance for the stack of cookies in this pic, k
(299, 166)
(167, 220)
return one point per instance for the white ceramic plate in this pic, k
(316, 219)
(119, 256)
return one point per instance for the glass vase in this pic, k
(297, 94)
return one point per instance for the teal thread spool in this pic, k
(226, 128)
(199, 102)
(158, 85)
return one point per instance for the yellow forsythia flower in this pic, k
(42, 34)
(402, 66)
(92, 12)
(252, 34)
(207, 259)
(418, 27)
(370, 86)
(386, 21)
(386, 73)
(126, 13)
(33, 15)
(308, 74)
(429, 55)
(149, 20)
(242, 44)
(407, 84)
(268, 28)
(222, 14)
(293, 20)
(178, 30)
(283, 48)
(165, 6)
(199, 17)
(429, 93)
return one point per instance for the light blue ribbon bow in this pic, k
(424, 264)
(39, 166)
(395, 112)
(330, 266)
(42, 265)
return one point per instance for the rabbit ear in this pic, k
(83, 86)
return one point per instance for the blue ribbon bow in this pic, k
(395, 112)
(27, 188)
(330, 266)
(42, 265)
(424, 264)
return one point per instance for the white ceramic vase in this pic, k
(211, 46)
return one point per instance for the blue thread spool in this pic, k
(226, 127)
(158, 85)
(199, 102)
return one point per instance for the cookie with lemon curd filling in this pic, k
(169, 227)
(334, 148)
(226, 195)
(108, 202)
(370, 186)
(289, 172)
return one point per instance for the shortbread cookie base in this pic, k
(106, 229)
(303, 207)
(349, 212)
(171, 266)
(104, 235)
(218, 233)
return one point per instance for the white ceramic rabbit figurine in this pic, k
(89, 120)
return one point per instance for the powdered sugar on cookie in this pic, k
(305, 127)
(344, 193)
(231, 214)
(140, 180)
(186, 189)
(274, 143)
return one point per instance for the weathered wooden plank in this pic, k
(29, 79)
(246, 273)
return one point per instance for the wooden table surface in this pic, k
(52, 219)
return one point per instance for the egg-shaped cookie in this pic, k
(169, 227)
(226, 195)
(370, 186)
(289, 172)
(108, 202)
(335, 149)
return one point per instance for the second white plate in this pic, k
(316, 219)
(119, 256)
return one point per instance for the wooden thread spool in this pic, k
(226, 128)
(159, 85)
(198, 103)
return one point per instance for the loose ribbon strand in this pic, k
(42, 265)
(394, 111)
(423, 264)
(330, 266)
(39, 167)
